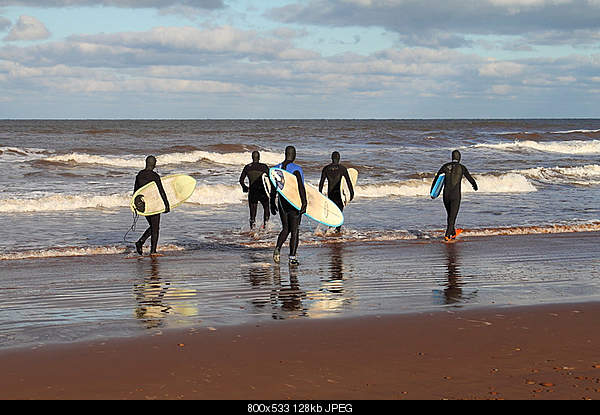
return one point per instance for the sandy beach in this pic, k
(546, 352)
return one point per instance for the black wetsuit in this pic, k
(454, 172)
(290, 216)
(333, 173)
(256, 190)
(144, 177)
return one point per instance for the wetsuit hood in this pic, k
(255, 156)
(290, 153)
(150, 162)
(335, 157)
(456, 156)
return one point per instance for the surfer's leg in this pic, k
(285, 228)
(155, 226)
(452, 209)
(336, 198)
(144, 237)
(253, 209)
(294, 219)
(266, 211)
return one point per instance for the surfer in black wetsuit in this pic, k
(333, 173)
(454, 172)
(144, 177)
(256, 190)
(290, 216)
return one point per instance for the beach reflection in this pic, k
(286, 301)
(150, 293)
(453, 293)
(332, 296)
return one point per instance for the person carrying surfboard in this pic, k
(256, 191)
(145, 176)
(289, 215)
(454, 172)
(334, 172)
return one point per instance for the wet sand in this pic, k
(533, 352)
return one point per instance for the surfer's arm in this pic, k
(470, 178)
(272, 198)
(136, 185)
(322, 181)
(161, 190)
(349, 183)
(243, 178)
(302, 191)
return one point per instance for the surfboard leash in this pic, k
(136, 216)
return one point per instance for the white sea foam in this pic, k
(76, 252)
(564, 147)
(137, 162)
(487, 183)
(222, 194)
(62, 202)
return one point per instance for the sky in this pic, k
(273, 59)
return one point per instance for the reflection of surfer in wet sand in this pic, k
(150, 293)
(453, 291)
(454, 172)
(256, 190)
(334, 172)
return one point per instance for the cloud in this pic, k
(449, 23)
(28, 28)
(4, 23)
(133, 4)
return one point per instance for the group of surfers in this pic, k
(291, 216)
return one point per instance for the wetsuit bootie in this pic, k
(294, 261)
(138, 247)
(276, 255)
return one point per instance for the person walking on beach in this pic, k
(256, 189)
(454, 172)
(145, 176)
(290, 216)
(334, 172)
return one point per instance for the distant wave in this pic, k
(22, 154)
(565, 147)
(580, 175)
(238, 159)
(581, 131)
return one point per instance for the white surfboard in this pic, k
(353, 173)
(318, 208)
(178, 188)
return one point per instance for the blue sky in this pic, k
(299, 58)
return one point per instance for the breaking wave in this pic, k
(137, 162)
(564, 147)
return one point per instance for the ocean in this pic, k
(67, 262)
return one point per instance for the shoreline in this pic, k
(547, 351)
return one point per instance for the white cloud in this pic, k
(28, 28)
(204, 4)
